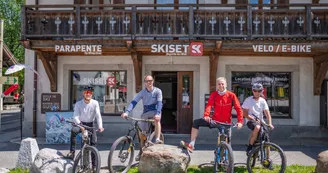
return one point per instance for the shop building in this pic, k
(113, 46)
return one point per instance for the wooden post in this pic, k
(1, 59)
(137, 66)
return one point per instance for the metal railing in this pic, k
(190, 21)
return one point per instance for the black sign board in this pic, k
(50, 102)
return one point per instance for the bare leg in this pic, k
(254, 135)
(194, 134)
(157, 129)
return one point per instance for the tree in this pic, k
(10, 12)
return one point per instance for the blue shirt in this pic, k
(152, 100)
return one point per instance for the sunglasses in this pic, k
(88, 92)
(257, 91)
(146, 81)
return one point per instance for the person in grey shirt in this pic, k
(85, 112)
(152, 99)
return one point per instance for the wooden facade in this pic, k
(132, 29)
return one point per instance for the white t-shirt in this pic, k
(255, 107)
(87, 112)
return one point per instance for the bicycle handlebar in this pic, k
(81, 125)
(140, 119)
(262, 122)
(225, 124)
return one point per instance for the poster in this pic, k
(58, 131)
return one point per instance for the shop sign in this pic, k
(86, 49)
(111, 81)
(93, 81)
(282, 48)
(194, 49)
(50, 102)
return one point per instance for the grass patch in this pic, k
(243, 169)
(19, 170)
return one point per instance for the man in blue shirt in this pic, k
(152, 100)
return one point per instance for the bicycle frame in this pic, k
(222, 136)
(137, 130)
(263, 137)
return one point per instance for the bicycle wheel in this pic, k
(223, 159)
(274, 157)
(90, 162)
(121, 155)
(152, 136)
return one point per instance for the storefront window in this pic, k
(277, 89)
(110, 89)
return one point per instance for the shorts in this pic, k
(251, 124)
(147, 115)
(202, 123)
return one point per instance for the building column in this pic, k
(28, 94)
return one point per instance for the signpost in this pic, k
(8, 80)
(50, 102)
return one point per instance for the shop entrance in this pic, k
(177, 112)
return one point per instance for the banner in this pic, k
(58, 131)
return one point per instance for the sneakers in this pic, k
(187, 146)
(158, 141)
(70, 155)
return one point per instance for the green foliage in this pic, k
(19, 170)
(10, 12)
(243, 169)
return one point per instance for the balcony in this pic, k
(184, 22)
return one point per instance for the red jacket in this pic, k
(223, 107)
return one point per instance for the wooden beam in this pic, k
(49, 61)
(218, 46)
(320, 68)
(315, 1)
(224, 1)
(129, 45)
(214, 59)
(137, 65)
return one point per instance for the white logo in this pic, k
(196, 49)
(111, 80)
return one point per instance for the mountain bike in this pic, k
(223, 154)
(88, 159)
(263, 152)
(122, 150)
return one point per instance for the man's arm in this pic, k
(246, 108)
(134, 102)
(98, 116)
(76, 113)
(267, 113)
(238, 109)
(159, 102)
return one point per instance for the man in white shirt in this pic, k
(253, 107)
(85, 112)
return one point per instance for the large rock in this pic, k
(322, 162)
(51, 161)
(27, 152)
(4, 170)
(162, 158)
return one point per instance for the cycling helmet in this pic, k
(257, 86)
(88, 88)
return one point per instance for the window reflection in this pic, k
(110, 89)
(277, 89)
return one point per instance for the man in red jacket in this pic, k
(222, 101)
